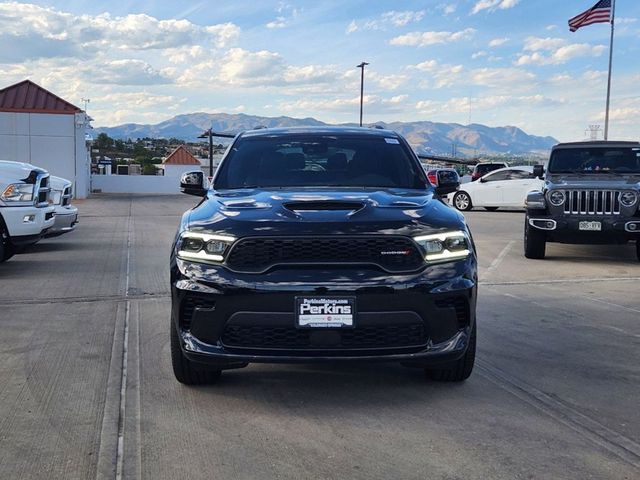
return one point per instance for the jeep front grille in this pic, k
(592, 202)
(258, 254)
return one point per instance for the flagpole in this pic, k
(606, 117)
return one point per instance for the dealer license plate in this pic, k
(325, 312)
(590, 226)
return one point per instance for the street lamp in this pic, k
(361, 66)
(209, 134)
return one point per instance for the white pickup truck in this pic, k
(25, 212)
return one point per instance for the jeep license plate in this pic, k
(590, 226)
(325, 312)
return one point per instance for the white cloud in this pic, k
(496, 42)
(561, 54)
(447, 8)
(439, 75)
(400, 19)
(391, 18)
(489, 102)
(126, 72)
(479, 54)
(492, 5)
(279, 22)
(424, 39)
(243, 67)
(501, 77)
(535, 44)
(42, 32)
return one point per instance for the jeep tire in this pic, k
(535, 241)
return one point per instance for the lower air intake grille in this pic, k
(388, 336)
(188, 306)
(461, 306)
(393, 254)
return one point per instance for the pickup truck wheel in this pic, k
(6, 249)
(185, 370)
(462, 201)
(535, 241)
(459, 370)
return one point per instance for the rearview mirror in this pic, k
(538, 171)
(448, 182)
(192, 183)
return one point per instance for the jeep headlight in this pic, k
(628, 198)
(445, 246)
(203, 247)
(556, 198)
(18, 192)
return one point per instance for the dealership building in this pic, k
(38, 127)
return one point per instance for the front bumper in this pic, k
(228, 319)
(66, 220)
(23, 231)
(566, 229)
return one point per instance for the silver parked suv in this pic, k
(590, 195)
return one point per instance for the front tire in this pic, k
(186, 371)
(6, 249)
(459, 370)
(535, 241)
(462, 201)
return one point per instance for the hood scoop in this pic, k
(323, 205)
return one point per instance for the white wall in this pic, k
(135, 184)
(178, 170)
(54, 142)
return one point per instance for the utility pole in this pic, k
(594, 130)
(361, 66)
(86, 101)
(209, 134)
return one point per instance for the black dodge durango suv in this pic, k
(322, 244)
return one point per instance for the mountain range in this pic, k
(426, 137)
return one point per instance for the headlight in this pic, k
(628, 199)
(18, 192)
(203, 247)
(55, 198)
(556, 198)
(445, 247)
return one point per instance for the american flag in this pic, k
(599, 13)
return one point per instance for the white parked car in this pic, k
(506, 187)
(66, 214)
(25, 213)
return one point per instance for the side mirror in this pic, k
(192, 183)
(538, 171)
(448, 182)
(482, 179)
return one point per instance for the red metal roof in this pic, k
(181, 156)
(28, 97)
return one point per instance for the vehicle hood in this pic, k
(609, 181)
(262, 212)
(18, 170)
(58, 183)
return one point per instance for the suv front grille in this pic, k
(393, 254)
(592, 202)
(66, 196)
(370, 336)
(43, 190)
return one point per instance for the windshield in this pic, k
(595, 160)
(319, 161)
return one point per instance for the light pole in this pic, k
(361, 66)
(209, 134)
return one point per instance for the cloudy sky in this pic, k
(496, 62)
